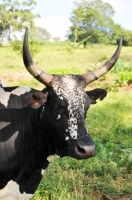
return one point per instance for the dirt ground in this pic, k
(127, 87)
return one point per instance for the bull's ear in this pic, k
(96, 94)
(36, 99)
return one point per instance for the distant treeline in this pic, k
(92, 22)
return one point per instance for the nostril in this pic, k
(80, 149)
(85, 151)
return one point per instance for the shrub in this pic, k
(120, 66)
(125, 78)
(34, 47)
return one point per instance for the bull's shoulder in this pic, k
(17, 90)
(12, 94)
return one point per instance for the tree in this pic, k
(16, 14)
(127, 37)
(92, 18)
(3, 33)
(38, 33)
(119, 32)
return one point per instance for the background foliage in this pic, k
(94, 19)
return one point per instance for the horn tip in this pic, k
(120, 41)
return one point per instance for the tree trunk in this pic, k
(85, 44)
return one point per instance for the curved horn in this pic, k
(37, 73)
(100, 71)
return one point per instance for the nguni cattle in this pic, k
(37, 124)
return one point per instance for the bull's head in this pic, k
(66, 106)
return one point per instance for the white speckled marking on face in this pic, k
(61, 98)
(67, 138)
(11, 192)
(59, 116)
(74, 94)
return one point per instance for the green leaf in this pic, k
(130, 158)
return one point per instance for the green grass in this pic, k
(107, 176)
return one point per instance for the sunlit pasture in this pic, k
(108, 175)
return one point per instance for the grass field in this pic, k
(107, 176)
(56, 59)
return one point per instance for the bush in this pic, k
(120, 66)
(34, 47)
(125, 78)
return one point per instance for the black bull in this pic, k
(37, 124)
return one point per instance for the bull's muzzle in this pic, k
(85, 151)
